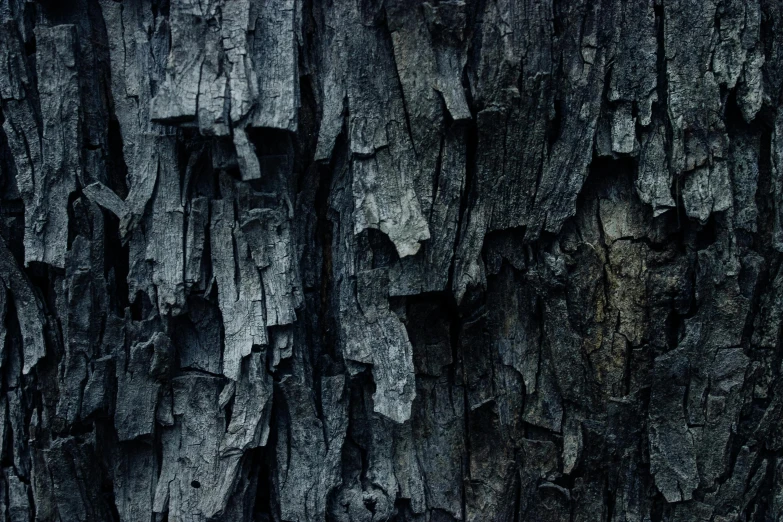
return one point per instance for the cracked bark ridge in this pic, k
(364, 261)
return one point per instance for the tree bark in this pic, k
(370, 260)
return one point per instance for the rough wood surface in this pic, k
(391, 260)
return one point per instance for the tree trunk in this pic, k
(369, 260)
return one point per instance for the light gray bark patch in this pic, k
(240, 293)
(107, 198)
(331, 50)
(693, 90)
(275, 34)
(178, 97)
(212, 101)
(18, 502)
(706, 190)
(653, 182)
(385, 168)
(369, 332)
(623, 129)
(392, 355)
(387, 203)
(133, 71)
(246, 155)
(165, 242)
(268, 233)
(238, 63)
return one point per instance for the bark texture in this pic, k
(371, 260)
